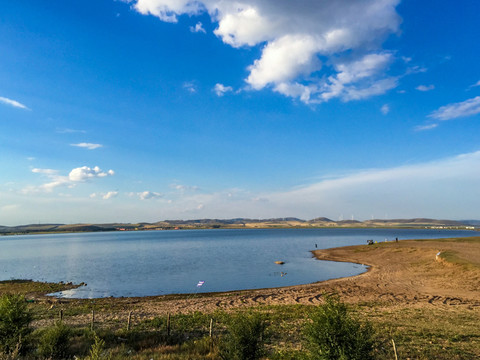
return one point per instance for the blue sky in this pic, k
(126, 111)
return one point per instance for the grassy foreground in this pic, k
(419, 332)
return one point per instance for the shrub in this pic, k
(244, 339)
(15, 321)
(55, 342)
(334, 334)
(97, 351)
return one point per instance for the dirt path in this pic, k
(404, 272)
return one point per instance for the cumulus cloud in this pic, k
(425, 87)
(13, 103)
(88, 146)
(302, 42)
(197, 28)
(221, 89)
(109, 195)
(104, 196)
(146, 195)
(77, 175)
(466, 108)
(385, 109)
(84, 173)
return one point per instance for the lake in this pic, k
(147, 263)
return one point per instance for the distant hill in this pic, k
(471, 222)
(244, 223)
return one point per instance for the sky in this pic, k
(146, 110)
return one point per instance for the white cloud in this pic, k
(425, 87)
(88, 146)
(75, 176)
(360, 78)
(104, 196)
(445, 188)
(385, 109)
(190, 87)
(466, 108)
(220, 89)
(167, 10)
(45, 171)
(425, 127)
(297, 37)
(13, 103)
(146, 195)
(197, 28)
(474, 85)
(429, 189)
(182, 188)
(109, 195)
(84, 173)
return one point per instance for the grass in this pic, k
(31, 287)
(452, 257)
(419, 332)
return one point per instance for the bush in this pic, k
(55, 342)
(334, 334)
(97, 351)
(15, 321)
(245, 338)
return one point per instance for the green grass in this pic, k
(453, 257)
(25, 287)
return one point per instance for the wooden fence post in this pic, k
(61, 315)
(129, 320)
(168, 324)
(93, 320)
(211, 327)
(395, 350)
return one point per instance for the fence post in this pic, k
(61, 315)
(395, 350)
(93, 320)
(211, 327)
(168, 324)
(129, 320)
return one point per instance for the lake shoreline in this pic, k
(400, 274)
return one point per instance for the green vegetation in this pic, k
(245, 338)
(15, 321)
(97, 351)
(454, 258)
(54, 342)
(332, 333)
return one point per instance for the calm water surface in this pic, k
(166, 262)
